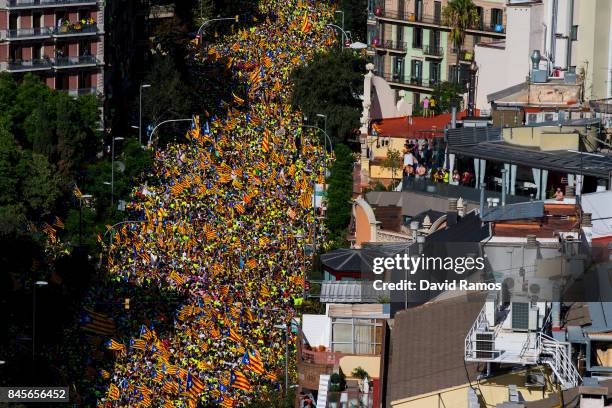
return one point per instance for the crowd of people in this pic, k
(225, 226)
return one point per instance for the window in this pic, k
(418, 10)
(416, 71)
(532, 118)
(401, 7)
(357, 336)
(417, 37)
(437, 12)
(497, 20)
(549, 117)
(574, 33)
(399, 35)
(434, 72)
(398, 68)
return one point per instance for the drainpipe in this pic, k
(553, 31)
(503, 197)
(569, 40)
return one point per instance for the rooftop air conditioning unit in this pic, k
(484, 345)
(524, 316)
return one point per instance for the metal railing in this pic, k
(415, 81)
(39, 3)
(29, 32)
(25, 65)
(558, 357)
(79, 91)
(464, 55)
(433, 50)
(427, 186)
(393, 46)
(437, 20)
(72, 61)
(76, 29)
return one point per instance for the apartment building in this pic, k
(410, 45)
(571, 37)
(62, 41)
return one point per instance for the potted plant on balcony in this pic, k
(77, 26)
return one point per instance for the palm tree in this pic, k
(459, 15)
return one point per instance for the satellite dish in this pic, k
(534, 288)
(508, 282)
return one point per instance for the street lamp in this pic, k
(113, 170)
(205, 23)
(140, 112)
(346, 36)
(39, 283)
(320, 115)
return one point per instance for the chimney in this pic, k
(586, 220)
(414, 228)
(460, 207)
(451, 216)
(426, 222)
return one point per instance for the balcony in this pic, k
(31, 4)
(75, 30)
(465, 56)
(433, 51)
(412, 82)
(26, 65)
(72, 62)
(28, 33)
(392, 46)
(411, 18)
(80, 91)
(488, 28)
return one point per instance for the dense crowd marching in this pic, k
(226, 226)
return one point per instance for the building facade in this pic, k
(572, 37)
(410, 45)
(62, 41)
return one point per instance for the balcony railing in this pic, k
(321, 357)
(29, 32)
(75, 29)
(464, 55)
(433, 51)
(411, 17)
(28, 65)
(80, 91)
(43, 3)
(72, 61)
(436, 20)
(45, 32)
(414, 81)
(393, 46)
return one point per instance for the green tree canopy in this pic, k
(447, 95)
(331, 85)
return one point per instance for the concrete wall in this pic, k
(494, 391)
(363, 229)
(547, 138)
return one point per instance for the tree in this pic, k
(355, 13)
(39, 185)
(168, 98)
(393, 162)
(459, 15)
(339, 82)
(339, 193)
(447, 95)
